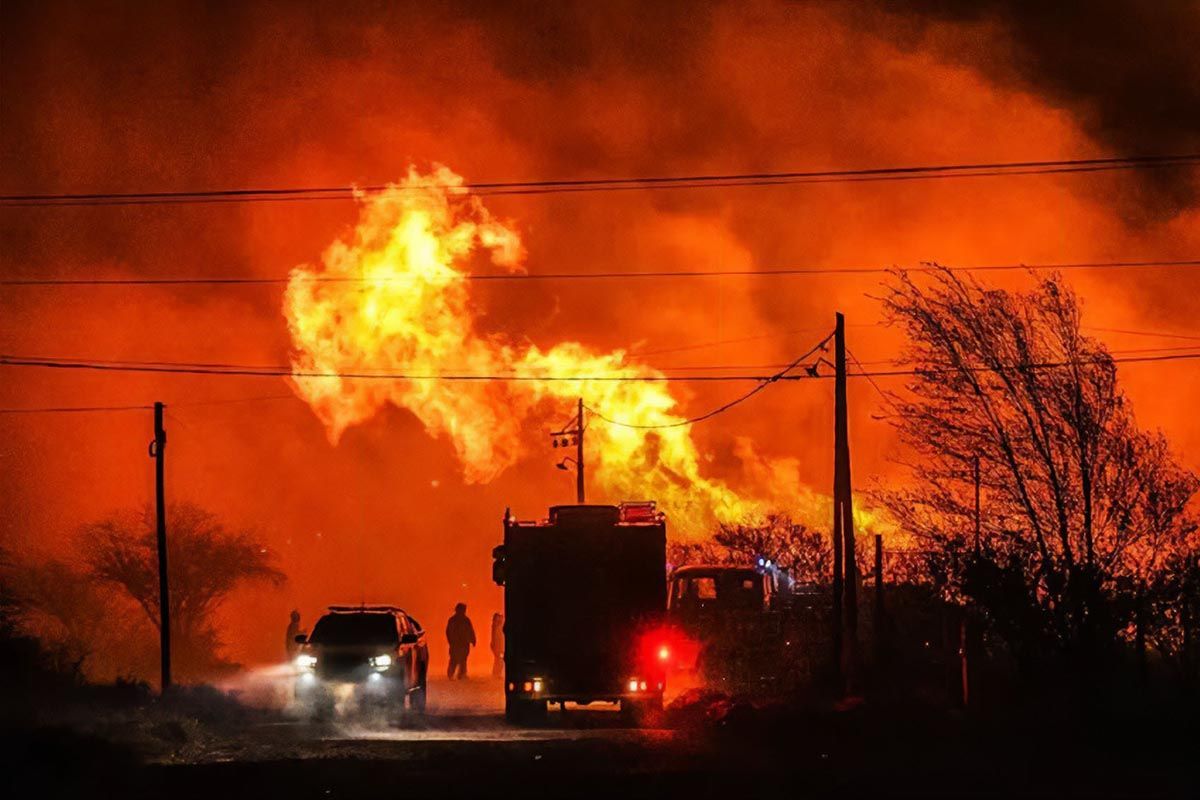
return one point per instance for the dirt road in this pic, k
(464, 748)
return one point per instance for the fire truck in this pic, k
(584, 601)
(748, 627)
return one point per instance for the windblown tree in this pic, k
(206, 562)
(84, 630)
(804, 553)
(1083, 512)
(10, 602)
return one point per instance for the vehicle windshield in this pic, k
(355, 629)
(729, 588)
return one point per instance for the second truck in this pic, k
(584, 601)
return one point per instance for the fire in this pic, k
(393, 297)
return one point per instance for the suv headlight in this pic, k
(381, 662)
(306, 661)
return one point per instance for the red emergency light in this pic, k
(641, 512)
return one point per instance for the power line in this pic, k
(147, 407)
(897, 362)
(1020, 367)
(890, 361)
(719, 409)
(587, 276)
(1157, 334)
(286, 372)
(712, 180)
(73, 409)
(633, 351)
(862, 371)
(235, 400)
(783, 271)
(760, 337)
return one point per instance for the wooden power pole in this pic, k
(879, 627)
(845, 594)
(579, 494)
(157, 448)
(572, 433)
(978, 518)
(835, 615)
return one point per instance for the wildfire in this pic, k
(393, 298)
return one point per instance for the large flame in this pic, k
(393, 297)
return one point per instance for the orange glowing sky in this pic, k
(184, 96)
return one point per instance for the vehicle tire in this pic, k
(322, 709)
(643, 713)
(524, 712)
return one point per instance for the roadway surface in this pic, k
(462, 747)
(470, 710)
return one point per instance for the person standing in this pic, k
(461, 636)
(293, 630)
(497, 645)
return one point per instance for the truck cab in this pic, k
(698, 591)
(737, 619)
(584, 600)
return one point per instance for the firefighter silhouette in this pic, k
(293, 630)
(461, 636)
(497, 645)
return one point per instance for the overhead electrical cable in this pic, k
(722, 408)
(1155, 334)
(883, 361)
(73, 409)
(589, 276)
(287, 372)
(863, 371)
(696, 181)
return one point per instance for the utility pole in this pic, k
(843, 514)
(579, 454)
(977, 510)
(880, 625)
(835, 624)
(963, 659)
(572, 433)
(157, 448)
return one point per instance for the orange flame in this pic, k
(394, 297)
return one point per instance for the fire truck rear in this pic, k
(584, 600)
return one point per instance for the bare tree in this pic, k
(206, 560)
(11, 605)
(82, 627)
(795, 548)
(1077, 501)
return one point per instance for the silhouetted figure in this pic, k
(497, 645)
(461, 636)
(293, 630)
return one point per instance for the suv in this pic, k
(378, 652)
